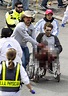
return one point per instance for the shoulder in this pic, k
(55, 23)
(55, 37)
(20, 25)
(55, 20)
(39, 37)
(31, 26)
(2, 40)
(40, 21)
(22, 13)
(11, 11)
(13, 39)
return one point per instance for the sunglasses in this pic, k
(20, 7)
(48, 30)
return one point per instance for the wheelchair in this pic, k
(41, 62)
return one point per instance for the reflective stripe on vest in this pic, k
(10, 83)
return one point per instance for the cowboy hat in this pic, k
(28, 13)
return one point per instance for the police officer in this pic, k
(11, 75)
(13, 16)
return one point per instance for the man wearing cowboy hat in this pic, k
(23, 33)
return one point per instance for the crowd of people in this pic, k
(14, 51)
(12, 3)
(60, 4)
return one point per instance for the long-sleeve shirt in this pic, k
(24, 79)
(5, 44)
(24, 34)
(39, 26)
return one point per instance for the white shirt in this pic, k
(24, 79)
(5, 44)
(39, 27)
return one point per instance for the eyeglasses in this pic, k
(48, 30)
(20, 7)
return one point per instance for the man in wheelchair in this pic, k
(51, 47)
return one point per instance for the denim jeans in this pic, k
(25, 4)
(13, 3)
(1, 1)
(25, 58)
(44, 3)
(60, 2)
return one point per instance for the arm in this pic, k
(38, 27)
(25, 79)
(55, 30)
(25, 35)
(58, 45)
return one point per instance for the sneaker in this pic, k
(1, 3)
(62, 6)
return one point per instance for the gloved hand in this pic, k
(32, 91)
(62, 25)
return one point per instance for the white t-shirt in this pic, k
(5, 44)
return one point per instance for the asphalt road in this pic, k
(49, 88)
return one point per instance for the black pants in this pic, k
(1, 1)
(60, 2)
(44, 3)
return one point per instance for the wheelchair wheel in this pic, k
(36, 76)
(30, 71)
(58, 73)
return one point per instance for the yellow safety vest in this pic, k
(12, 18)
(10, 83)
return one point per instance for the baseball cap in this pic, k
(49, 11)
(6, 32)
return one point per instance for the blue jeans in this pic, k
(13, 3)
(25, 4)
(25, 58)
(44, 3)
(1, 1)
(60, 2)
